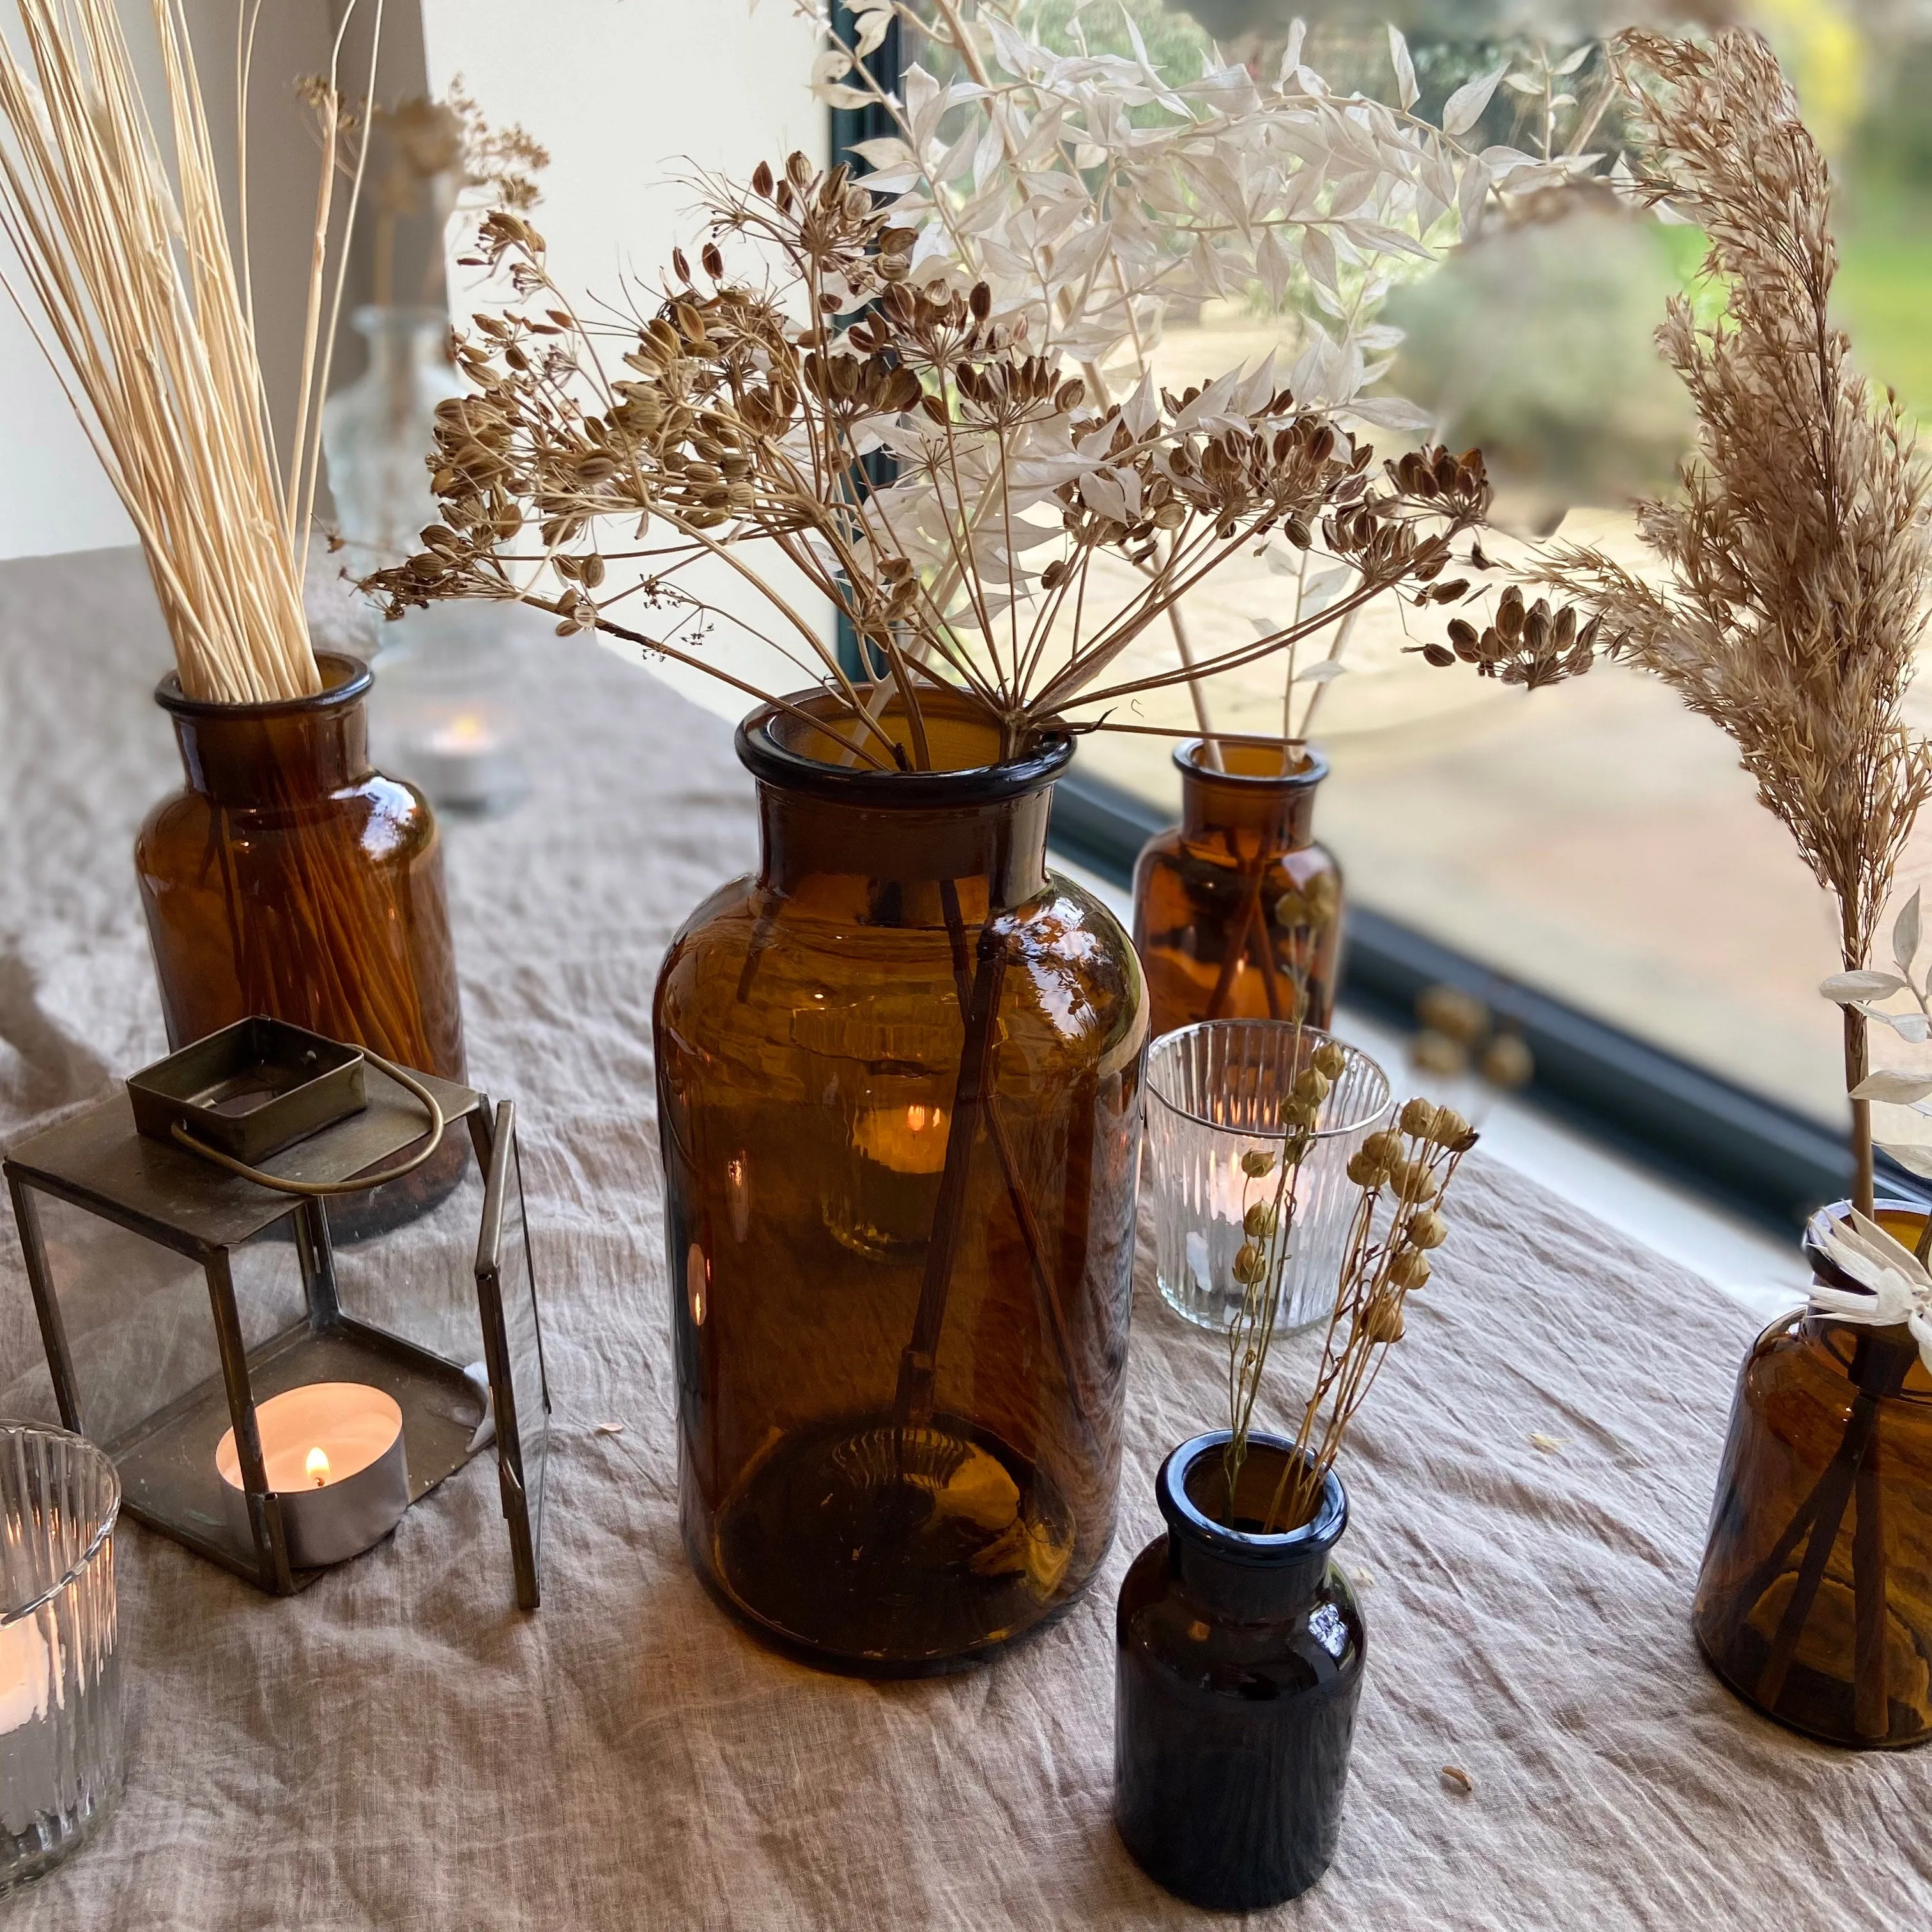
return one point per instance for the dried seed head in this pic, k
(1366, 1171)
(1250, 1264)
(1409, 1270)
(1383, 1323)
(1311, 1084)
(1261, 1220)
(1448, 1129)
(1436, 1053)
(1417, 1118)
(1426, 1228)
(1255, 1163)
(1507, 1061)
(1332, 1058)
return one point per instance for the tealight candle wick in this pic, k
(316, 1468)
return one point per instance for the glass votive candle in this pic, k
(1214, 1093)
(447, 711)
(60, 1674)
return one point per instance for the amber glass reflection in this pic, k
(1815, 1601)
(290, 877)
(899, 1104)
(1238, 907)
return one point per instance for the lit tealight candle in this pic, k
(469, 759)
(908, 1140)
(24, 1673)
(333, 1455)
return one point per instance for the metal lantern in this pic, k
(278, 1375)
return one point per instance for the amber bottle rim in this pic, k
(1187, 759)
(1278, 1548)
(770, 761)
(346, 679)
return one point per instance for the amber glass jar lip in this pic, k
(345, 678)
(770, 761)
(1187, 759)
(1279, 1548)
(1827, 1270)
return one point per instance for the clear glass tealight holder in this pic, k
(60, 1671)
(1214, 1093)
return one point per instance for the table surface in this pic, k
(399, 1748)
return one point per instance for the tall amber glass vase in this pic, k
(1815, 1600)
(290, 877)
(1238, 912)
(898, 1107)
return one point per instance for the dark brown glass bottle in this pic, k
(1238, 1668)
(1815, 1600)
(898, 1107)
(1238, 907)
(291, 878)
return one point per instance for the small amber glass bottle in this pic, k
(1815, 1600)
(1238, 912)
(291, 878)
(898, 1089)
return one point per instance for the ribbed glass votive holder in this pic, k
(1214, 1093)
(60, 1673)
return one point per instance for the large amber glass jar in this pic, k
(1238, 910)
(898, 1106)
(1815, 1600)
(289, 878)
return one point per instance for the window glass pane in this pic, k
(1596, 841)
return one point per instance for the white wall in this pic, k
(627, 94)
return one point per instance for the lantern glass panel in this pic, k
(136, 1314)
(508, 1290)
(417, 1278)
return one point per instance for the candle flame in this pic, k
(316, 1468)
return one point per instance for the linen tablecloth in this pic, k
(398, 1747)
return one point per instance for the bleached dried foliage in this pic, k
(112, 206)
(1798, 559)
(1089, 192)
(733, 421)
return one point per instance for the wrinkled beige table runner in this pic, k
(399, 1748)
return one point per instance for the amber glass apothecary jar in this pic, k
(289, 878)
(1238, 911)
(899, 1104)
(1815, 1600)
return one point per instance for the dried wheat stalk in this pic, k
(1798, 556)
(113, 208)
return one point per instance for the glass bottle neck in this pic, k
(1277, 808)
(995, 854)
(1241, 1574)
(243, 756)
(1241, 1592)
(402, 340)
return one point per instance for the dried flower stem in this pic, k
(1404, 1174)
(734, 424)
(1799, 553)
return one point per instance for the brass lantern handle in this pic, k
(318, 1189)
